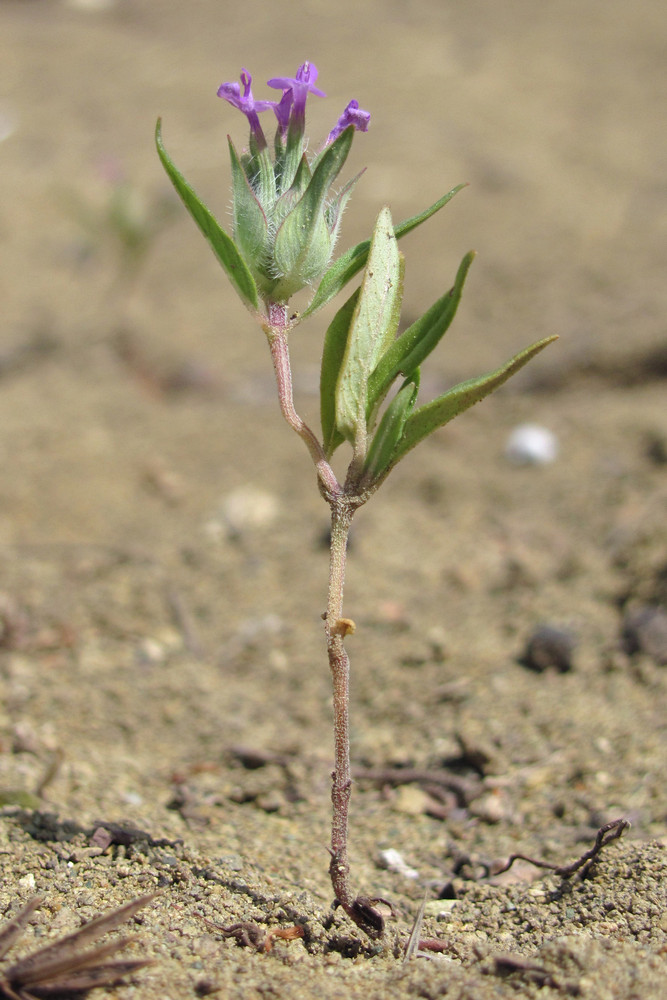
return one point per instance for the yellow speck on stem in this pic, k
(344, 626)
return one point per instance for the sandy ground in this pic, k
(162, 569)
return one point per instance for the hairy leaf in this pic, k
(351, 262)
(440, 411)
(304, 226)
(221, 243)
(407, 353)
(390, 429)
(333, 353)
(250, 225)
(372, 329)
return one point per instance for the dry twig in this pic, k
(250, 935)
(605, 835)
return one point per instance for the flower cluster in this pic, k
(286, 215)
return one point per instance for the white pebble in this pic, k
(530, 444)
(394, 862)
(242, 511)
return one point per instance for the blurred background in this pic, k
(553, 113)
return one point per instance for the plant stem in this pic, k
(339, 662)
(281, 365)
(343, 501)
(358, 908)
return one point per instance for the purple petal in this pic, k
(232, 93)
(282, 110)
(246, 103)
(353, 115)
(301, 85)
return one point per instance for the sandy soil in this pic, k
(162, 569)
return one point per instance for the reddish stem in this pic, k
(281, 364)
(343, 501)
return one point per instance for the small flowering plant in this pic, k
(286, 213)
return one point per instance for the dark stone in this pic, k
(644, 630)
(549, 647)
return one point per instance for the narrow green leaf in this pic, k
(333, 353)
(351, 262)
(288, 200)
(301, 228)
(390, 429)
(440, 411)
(222, 245)
(291, 155)
(372, 329)
(250, 225)
(334, 209)
(418, 341)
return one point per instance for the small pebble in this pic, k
(440, 908)
(530, 444)
(150, 651)
(549, 647)
(656, 448)
(393, 861)
(491, 808)
(411, 800)
(271, 801)
(132, 798)
(644, 630)
(243, 511)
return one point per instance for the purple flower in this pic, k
(282, 110)
(246, 103)
(353, 115)
(301, 85)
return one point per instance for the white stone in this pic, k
(530, 444)
(393, 861)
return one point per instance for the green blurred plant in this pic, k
(127, 220)
(286, 213)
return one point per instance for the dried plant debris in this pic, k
(412, 946)
(60, 969)
(250, 935)
(605, 835)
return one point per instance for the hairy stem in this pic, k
(358, 908)
(336, 629)
(343, 501)
(281, 365)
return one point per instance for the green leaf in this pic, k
(440, 411)
(303, 234)
(288, 200)
(390, 429)
(351, 262)
(250, 226)
(289, 155)
(334, 209)
(333, 353)
(372, 329)
(222, 245)
(415, 344)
